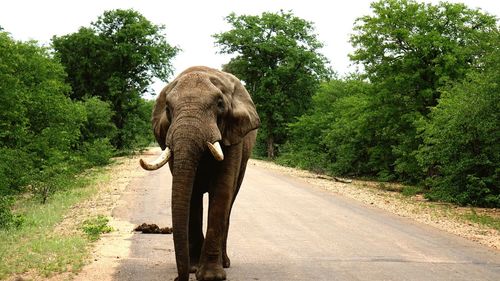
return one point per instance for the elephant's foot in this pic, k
(226, 262)
(193, 268)
(211, 271)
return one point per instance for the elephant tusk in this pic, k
(216, 150)
(158, 162)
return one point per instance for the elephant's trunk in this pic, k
(187, 152)
(182, 187)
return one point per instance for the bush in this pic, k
(16, 168)
(99, 123)
(98, 152)
(334, 136)
(411, 190)
(7, 218)
(94, 227)
(461, 146)
(39, 124)
(137, 130)
(52, 178)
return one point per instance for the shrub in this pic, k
(461, 149)
(98, 152)
(334, 135)
(7, 218)
(52, 178)
(94, 227)
(137, 129)
(411, 190)
(15, 170)
(99, 123)
(39, 124)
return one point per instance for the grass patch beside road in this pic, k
(483, 219)
(96, 226)
(36, 246)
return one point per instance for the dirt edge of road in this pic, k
(113, 246)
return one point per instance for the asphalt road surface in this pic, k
(282, 229)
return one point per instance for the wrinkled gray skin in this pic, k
(204, 105)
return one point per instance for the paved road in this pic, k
(283, 229)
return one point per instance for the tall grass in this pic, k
(35, 246)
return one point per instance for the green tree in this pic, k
(461, 148)
(39, 124)
(334, 135)
(97, 131)
(410, 50)
(140, 123)
(277, 56)
(13, 120)
(116, 59)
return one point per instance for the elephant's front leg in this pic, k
(226, 262)
(195, 230)
(211, 267)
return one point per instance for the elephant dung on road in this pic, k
(205, 122)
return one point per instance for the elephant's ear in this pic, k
(242, 116)
(160, 120)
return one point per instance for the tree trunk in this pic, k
(270, 136)
(270, 147)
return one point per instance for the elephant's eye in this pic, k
(220, 105)
(167, 111)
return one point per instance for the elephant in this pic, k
(206, 124)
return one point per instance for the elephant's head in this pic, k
(201, 109)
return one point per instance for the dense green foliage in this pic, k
(97, 131)
(7, 218)
(410, 50)
(424, 111)
(40, 125)
(461, 139)
(45, 137)
(332, 136)
(277, 57)
(54, 125)
(116, 59)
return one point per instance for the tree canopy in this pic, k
(409, 50)
(277, 56)
(461, 139)
(116, 59)
(424, 109)
(62, 109)
(39, 124)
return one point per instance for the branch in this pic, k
(342, 180)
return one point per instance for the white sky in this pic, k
(190, 24)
